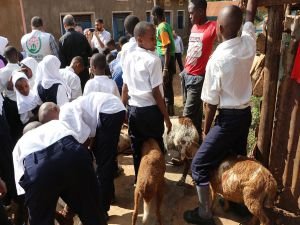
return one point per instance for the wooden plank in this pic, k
(275, 2)
(271, 71)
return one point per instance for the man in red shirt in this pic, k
(201, 42)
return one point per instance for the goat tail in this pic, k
(271, 191)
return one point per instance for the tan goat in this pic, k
(150, 183)
(184, 139)
(244, 180)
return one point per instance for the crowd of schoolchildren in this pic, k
(62, 107)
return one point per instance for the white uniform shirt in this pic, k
(104, 36)
(38, 139)
(142, 72)
(227, 80)
(5, 74)
(73, 81)
(126, 49)
(101, 83)
(95, 103)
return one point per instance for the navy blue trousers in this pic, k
(144, 123)
(105, 151)
(64, 169)
(228, 135)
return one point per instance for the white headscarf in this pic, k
(48, 73)
(3, 43)
(25, 103)
(32, 64)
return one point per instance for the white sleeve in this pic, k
(156, 76)
(212, 84)
(61, 97)
(76, 88)
(87, 88)
(116, 90)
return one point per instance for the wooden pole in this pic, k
(271, 70)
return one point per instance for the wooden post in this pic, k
(271, 70)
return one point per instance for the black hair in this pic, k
(111, 42)
(98, 60)
(106, 51)
(95, 51)
(99, 20)
(110, 57)
(123, 40)
(78, 59)
(199, 4)
(36, 21)
(141, 28)
(158, 11)
(11, 53)
(130, 22)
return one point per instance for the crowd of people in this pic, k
(62, 106)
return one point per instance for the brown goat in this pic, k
(150, 183)
(244, 180)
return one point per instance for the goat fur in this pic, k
(150, 183)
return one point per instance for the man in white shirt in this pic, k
(100, 82)
(38, 43)
(6, 87)
(51, 162)
(71, 76)
(179, 49)
(101, 36)
(227, 87)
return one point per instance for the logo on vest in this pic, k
(34, 44)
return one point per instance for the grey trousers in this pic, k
(191, 92)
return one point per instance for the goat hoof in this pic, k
(180, 182)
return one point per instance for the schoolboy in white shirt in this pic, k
(70, 75)
(143, 92)
(227, 87)
(100, 82)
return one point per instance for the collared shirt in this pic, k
(101, 83)
(95, 103)
(5, 74)
(126, 49)
(104, 36)
(73, 81)
(201, 43)
(36, 140)
(178, 45)
(142, 72)
(227, 81)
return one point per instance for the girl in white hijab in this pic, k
(50, 84)
(27, 102)
(29, 67)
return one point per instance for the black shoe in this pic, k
(192, 216)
